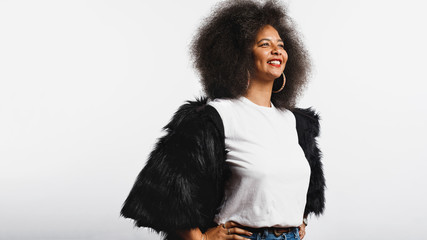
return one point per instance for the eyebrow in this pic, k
(266, 39)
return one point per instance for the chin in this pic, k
(271, 75)
(276, 75)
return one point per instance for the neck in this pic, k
(259, 93)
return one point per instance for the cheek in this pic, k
(259, 61)
(285, 58)
(263, 58)
(259, 57)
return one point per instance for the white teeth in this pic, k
(275, 62)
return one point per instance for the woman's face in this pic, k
(269, 54)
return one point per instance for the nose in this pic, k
(275, 51)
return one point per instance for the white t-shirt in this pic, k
(270, 174)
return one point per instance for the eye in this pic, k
(266, 44)
(281, 46)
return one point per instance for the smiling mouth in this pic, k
(275, 62)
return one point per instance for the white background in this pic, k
(85, 87)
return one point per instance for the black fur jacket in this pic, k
(182, 183)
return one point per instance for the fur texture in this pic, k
(308, 129)
(182, 183)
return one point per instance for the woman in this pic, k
(243, 162)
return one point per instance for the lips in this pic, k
(275, 62)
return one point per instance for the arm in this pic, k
(181, 186)
(308, 129)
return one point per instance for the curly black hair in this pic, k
(222, 50)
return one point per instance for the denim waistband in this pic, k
(270, 233)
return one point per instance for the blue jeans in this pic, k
(292, 235)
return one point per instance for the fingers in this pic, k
(235, 228)
(231, 224)
(301, 234)
(240, 231)
(236, 237)
(302, 231)
(232, 230)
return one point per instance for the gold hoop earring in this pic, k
(283, 85)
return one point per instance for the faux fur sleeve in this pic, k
(181, 185)
(308, 130)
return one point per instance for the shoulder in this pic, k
(223, 105)
(196, 114)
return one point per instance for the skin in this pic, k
(217, 233)
(302, 230)
(268, 46)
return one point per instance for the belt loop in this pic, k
(276, 233)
